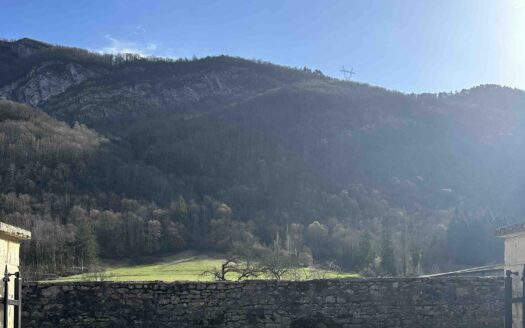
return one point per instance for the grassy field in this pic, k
(189, 268)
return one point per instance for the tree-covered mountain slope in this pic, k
(147, 155)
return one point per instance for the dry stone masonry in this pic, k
(349, 303)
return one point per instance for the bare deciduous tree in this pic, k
(230, 265)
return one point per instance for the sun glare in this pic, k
(511, 39)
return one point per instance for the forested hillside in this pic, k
(108, 156)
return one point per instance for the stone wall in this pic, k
(430, 302)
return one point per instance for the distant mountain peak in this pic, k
(32, 42)
(24, 47)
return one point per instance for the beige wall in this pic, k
(9, 254)
(514, 261)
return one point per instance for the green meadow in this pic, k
(189, 269)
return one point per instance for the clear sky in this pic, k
(407, 45)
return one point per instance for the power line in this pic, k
(347, 74)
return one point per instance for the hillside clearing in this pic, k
(189, 269)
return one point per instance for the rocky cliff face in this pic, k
(76, 85)
(130, 98)
(45, 81)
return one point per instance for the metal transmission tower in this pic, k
(347, 74)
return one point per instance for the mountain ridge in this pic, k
(196, 148)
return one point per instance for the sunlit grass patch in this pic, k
(191, 269)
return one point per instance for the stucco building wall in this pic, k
(514, 237)
(10, 238)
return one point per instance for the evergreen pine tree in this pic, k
(388, 262)
(182, 208)
(416, 254)
(365, 253)
(86, 244)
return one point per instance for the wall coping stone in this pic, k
(511, 230)
(12, 232)
(334, 281)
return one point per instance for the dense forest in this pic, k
(120, 156)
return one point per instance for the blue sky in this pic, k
(407, 45)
